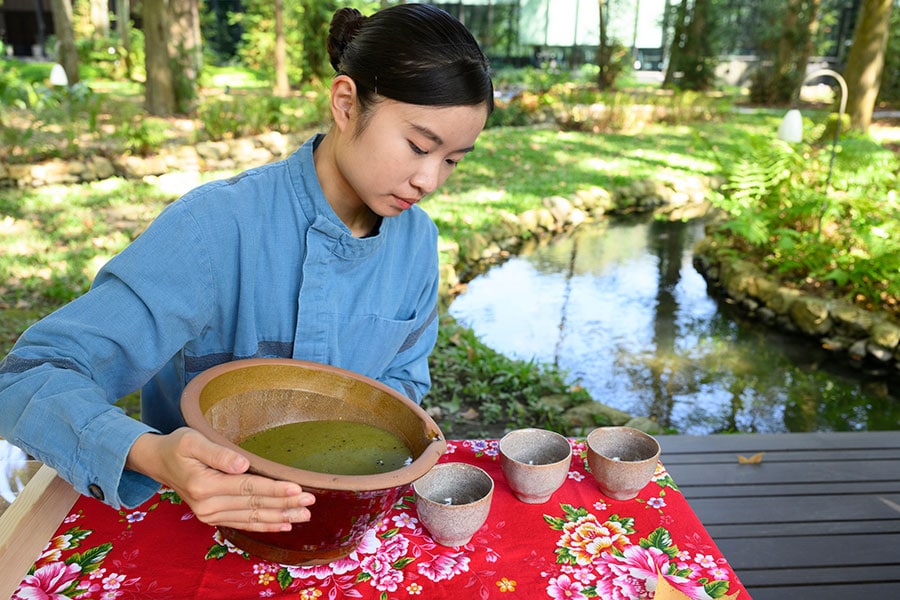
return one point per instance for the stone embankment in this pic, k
(224, 155)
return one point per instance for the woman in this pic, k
(323, 256)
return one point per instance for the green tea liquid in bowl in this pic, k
(337, 447)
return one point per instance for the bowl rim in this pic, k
(194, 418)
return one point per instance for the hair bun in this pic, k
(344, 26)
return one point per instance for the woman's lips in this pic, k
(406, 203)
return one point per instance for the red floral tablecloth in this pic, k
(578, 545)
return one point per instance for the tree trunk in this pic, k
(67, 53)
(123, 30)
(186, 50)
(282, 87)
(99, 18)
(866, 61)
(677, 47)
(159, 90)
(604, 55)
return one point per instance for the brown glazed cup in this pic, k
(453, 501)
(535, 463)
(622, 460)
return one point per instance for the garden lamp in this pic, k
(58, 75)
(791, 128)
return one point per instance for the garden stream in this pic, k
(619, 308)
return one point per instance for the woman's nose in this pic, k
(427, 178)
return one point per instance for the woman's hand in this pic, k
(213, 481)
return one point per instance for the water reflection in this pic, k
(620, 308)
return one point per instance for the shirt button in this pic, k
(96, 492)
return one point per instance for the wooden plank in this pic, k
(801, 554)
(821, 576)
(857, 591)
(688, 475)
(814, 528)
(770, 456)
(791, 489)
(819, 517)
(29, 522)
(743, 442)
(790, 510)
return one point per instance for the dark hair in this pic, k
(412, 53)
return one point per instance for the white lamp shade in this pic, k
(58, 75)
(791, 128)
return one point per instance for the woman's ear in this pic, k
(343, 98)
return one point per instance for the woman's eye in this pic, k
(452, 162)
(416, 149)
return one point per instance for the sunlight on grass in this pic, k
(223, 77)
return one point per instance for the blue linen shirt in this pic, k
(258, 265)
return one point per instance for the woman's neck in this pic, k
(342, 198)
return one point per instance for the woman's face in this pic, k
(406, 151)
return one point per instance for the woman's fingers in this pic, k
(213, 481)
(261, 519)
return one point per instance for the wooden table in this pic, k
(817, 517)
(579, 544)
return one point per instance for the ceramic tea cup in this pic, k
(535, 463)
(622, 460)
(453, 501)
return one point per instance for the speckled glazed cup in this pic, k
(622, 460)
(453, 501)
(535, 463)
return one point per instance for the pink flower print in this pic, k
(384, 576)
(369, 544)
(719, 574)
(444, 566)
(48, 582)
(705, 560)
(584, 575)
(586, 538)
(394, 548)
(656, 502)
(564, 588)
(72, 518)
(405, 520)
(576, 475)
(113, 581)
(634, 575)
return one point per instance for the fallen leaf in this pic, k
(753, 460)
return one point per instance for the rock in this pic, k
(645, 424)
(594, 414)
(851, 320)
(886, 335)
(878, 352)
(559, 207)
(811, 315)
(857, 350)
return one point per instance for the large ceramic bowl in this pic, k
(232, 401)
